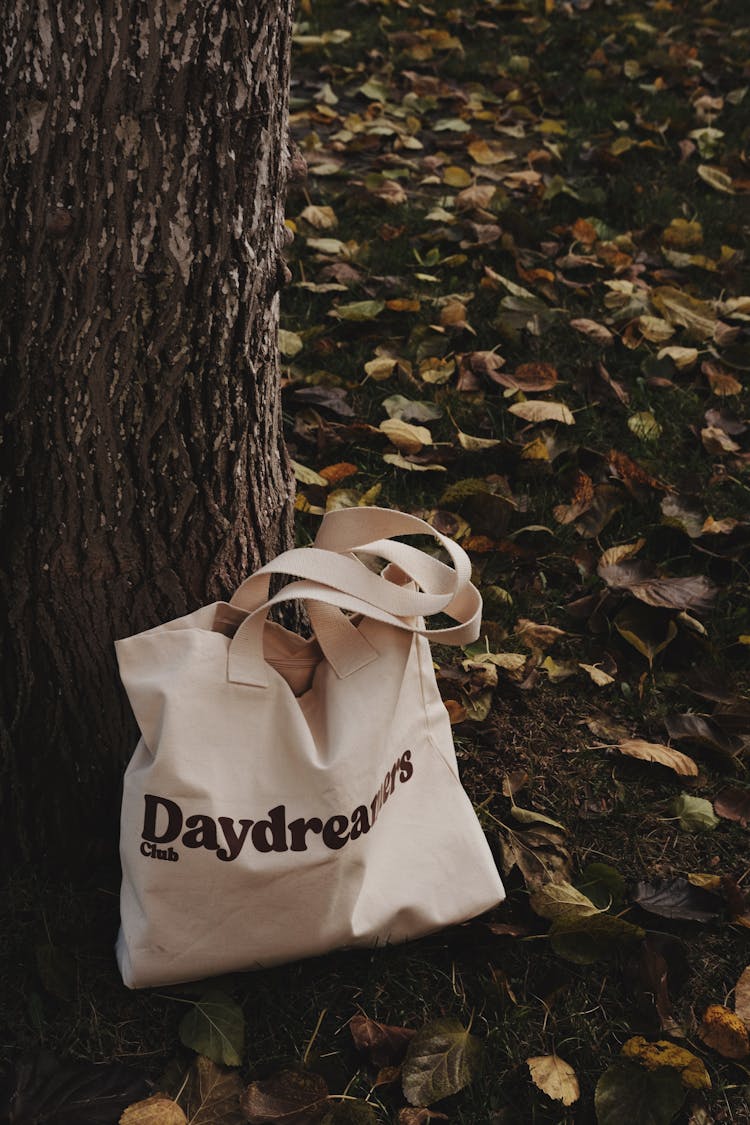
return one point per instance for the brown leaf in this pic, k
(537, 638)
(724, 1032)
(532, 378)
(630, 472)
(734, 804)
(290, 1097)
(721, 382)
(742, 997)
(406, 436)
(156, 1110)
(213, 1094)
(338, 472)
(384, 1044)
(581, 501)
(705, 732)
(665, 593)
(595, 331)
(542, 412)
(664, 755)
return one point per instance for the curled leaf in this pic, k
(543, 412)
(664, 755)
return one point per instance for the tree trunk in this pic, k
(143, 161)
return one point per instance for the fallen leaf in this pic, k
(358, 310)
(716, 178)
(682, 358)
(531, 378)
(380, 368)
(561, 901)
(628, 1093)
(397, 406)
(290, 343)
(475, 444)
(488, 152)
(698, 317)
(655, 329)
(653, 1056)
(406, 436)
(410, 1115)
(717, 441)
(338, 472)
(595, 331)
(581, 500)
(555, 1078)
(350, 1112)
(589, 938)
(742, 997)
(543, 412)
(597, 674)
(538, 638)
(648, 631)
(442, 1058)
(664, 755)
(531, 816)
(724, 1032)
(678, 898)
(320, 217)
(414, 466)
(383, 1043)
(664, 593)
(645, 426)
(215, 1028)
(733, 804)
(212, 1095)
(156, 1110)
(307, 476)
(695, 814)
(721, 382)
(705, 732)
(290, 1097)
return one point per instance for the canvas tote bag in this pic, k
(289, 797)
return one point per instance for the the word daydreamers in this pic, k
(226, 836)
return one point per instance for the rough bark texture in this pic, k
(143, 163)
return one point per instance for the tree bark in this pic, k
(143, 162)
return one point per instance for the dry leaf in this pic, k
(538, 638)
(655, 329)
(725, 1032)
(406, 436)
(488, 152)
(383, 1043)
(614, 555)
(734, 804)
(595, 331)
(542, 412)
(742, 997)
(716, 178)
(721, 382)
(338, 472)
(682, 358)
(414, 466)
(156, 1110)
(598, 675)
(213, 1094)
(654, 752)
(320, 217)
(475, 444)
(555, 1078)
(293, 1097)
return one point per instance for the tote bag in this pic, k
(293, 796)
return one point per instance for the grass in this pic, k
(60, 986)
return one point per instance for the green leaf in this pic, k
(604, 885)
(584, 940)
(626, 1093)
(442, 1058)
(215, 1027)
(359, 310)
(695, 814)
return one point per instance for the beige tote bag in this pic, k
(289, 797)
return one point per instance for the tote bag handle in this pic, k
(246, 665)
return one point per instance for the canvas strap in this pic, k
(334, 578)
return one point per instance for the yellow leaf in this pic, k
(290, 343)
(625, 551)
(644, 426)
(307, 476)
(682, 358)
(699, 317)
(320, 217)
(478, 195)
(436, 370)
(475, 444)
(555, 1078)
(488, 152)
(156, 1110)
(406, 436)
(455, 176)
(725, 1032)
(682, 234)
(380, 368)
(655, 329)
(664, 755)
(536, 450)
(663, 1053)
(598, 675)
(542, 412)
